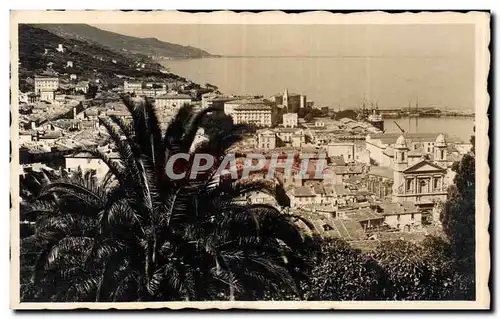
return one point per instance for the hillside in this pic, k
(151, 47)
(37, 49)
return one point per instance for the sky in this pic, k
(318, 40)
(390, 63)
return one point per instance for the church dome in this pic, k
(400, 142)
(440, 141)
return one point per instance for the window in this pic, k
(412, 216)
(409, 184)
(423, 187)
(442, 154)
(436, 183)
(403, 156)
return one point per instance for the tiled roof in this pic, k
(337, 160)
(381, 171)
(302, 191)
(364, 214)
(252, 106)
(174, 97)
(390, 208)
(340, 190)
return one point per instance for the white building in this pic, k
(60, 48)
(69, 64)
(87, 162)
(172, 101)
(422, 183)
(290, 120)
(230, 104)
(259, 115)
(346, 150)
(403, 216)
(46, 83)
(82, 86)
(48, 96)
(131, 86)
(381, 146)
(266, 139)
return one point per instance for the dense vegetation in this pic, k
(140, 236)
(89, 60)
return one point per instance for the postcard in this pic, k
(249, 160)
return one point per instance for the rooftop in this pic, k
(173, 97)
(390, 208)
(302, 191)
(381, 171)
(252, 106)
(391, 138)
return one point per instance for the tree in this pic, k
(64, 228)
(91, 92)
(416, 271)
(343, 273)
(458, 219)
(309, 117)
(153, 238)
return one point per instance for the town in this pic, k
(373, 185)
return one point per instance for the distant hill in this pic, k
(37, 50)
(151, 47)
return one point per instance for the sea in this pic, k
(342, 83)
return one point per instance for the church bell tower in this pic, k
(400, 163)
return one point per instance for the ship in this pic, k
(376, 120)
(373, 116)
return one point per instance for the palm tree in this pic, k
(148, 237)
(64, 219)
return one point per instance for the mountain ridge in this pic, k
(38, 50)
(150, 46)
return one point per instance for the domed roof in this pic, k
(400, 142)
(440, 141)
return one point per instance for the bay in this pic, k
(347, 82)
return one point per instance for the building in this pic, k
(257, 114)
(48, 96)
(301, 195)
(344, 149)
(151, 92)
(381, 146)
(86, 162)
(172, 101)
(266, 139)
(404, 216)
(82, 86)
(60, 48)
(46, 83)
(294, 136)
(232, 103)
(132, 86)
(290, 120)
(423, 183)
(379, 181)
(69, 64)
(291, 102)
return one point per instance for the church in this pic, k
(290, 102)
(425, 181)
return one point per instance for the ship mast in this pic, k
(416, 119)
(409, 116)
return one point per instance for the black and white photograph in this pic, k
(249, 160)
